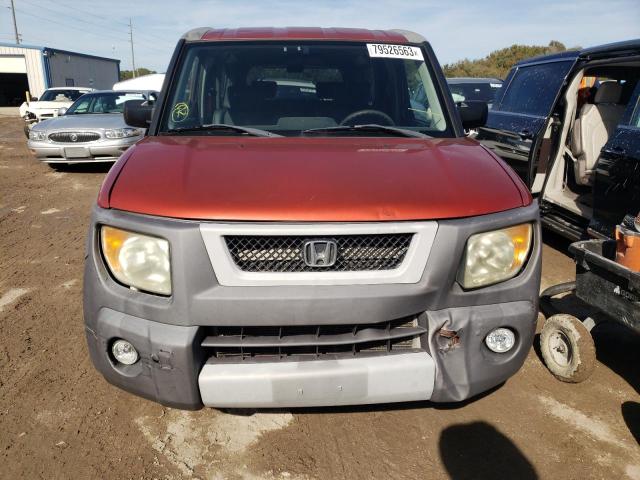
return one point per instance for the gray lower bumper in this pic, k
(312, 383)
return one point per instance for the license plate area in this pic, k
(76, 152)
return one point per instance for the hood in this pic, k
(311, 179)
(82, 121)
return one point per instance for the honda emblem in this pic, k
(320, 253)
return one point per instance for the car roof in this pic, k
(120, 92)
(473, 80)
(70, 88)
(630, 45)
(611, 47)
(549, 57)
(303, 33)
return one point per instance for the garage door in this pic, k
(12, 64)
(13, 80)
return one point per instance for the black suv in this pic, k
(569, 125)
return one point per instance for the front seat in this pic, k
(593, 127)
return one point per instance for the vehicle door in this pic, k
(519, 127)
(616, 190)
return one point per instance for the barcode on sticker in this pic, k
(384, 50)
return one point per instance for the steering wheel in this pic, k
(386, 119)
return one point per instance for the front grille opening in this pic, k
(286, 254)
(74, 137)
(269, 343)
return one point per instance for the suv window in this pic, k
(485, 92)
(60, 95)
(288, 87)
(533, 88)
(107, 102)
(635, 116)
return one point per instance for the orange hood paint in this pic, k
(311, 179)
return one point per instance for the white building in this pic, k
(29, 68)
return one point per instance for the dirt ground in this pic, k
(60, 419)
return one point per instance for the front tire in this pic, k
(567, 348)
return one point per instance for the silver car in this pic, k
(91, 130)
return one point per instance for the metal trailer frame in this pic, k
(609, 287)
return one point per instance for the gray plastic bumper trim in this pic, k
(315, 383)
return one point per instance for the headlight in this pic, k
(123, 133)
(137, 260)
(493, 257)
(37, 135)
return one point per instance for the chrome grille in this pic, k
(313, 340)
(74, 137)
(286, 253)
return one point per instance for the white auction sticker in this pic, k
(384, 50)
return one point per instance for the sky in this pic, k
(456, 30)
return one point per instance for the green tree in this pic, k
(498, 63)
(127, 74)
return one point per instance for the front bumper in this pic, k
(338, 381)
(99, 151)
(451, 362)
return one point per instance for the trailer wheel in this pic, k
(567, 348)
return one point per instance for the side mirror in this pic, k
(34, 99)
(137, 113)
(62, 111)
(473, 113)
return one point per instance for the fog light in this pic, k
(500, 340)
(124, 352)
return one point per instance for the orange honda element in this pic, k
(306, 224)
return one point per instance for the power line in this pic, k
(76, 9)
(74, 27)
(109, 27)
(57, 12)
(67, 26)
(82, 20)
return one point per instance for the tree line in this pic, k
(127, 74)
(498, 63)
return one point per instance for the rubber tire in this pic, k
(583, 358)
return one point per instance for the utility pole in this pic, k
(15, 25)
(133, 57)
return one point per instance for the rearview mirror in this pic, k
(137, 113)
(473, 113)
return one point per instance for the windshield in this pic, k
(60, 95)
(107, 102)
(485, 92)
(288, 88)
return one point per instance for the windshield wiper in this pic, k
(367, 128)
(254, 132)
